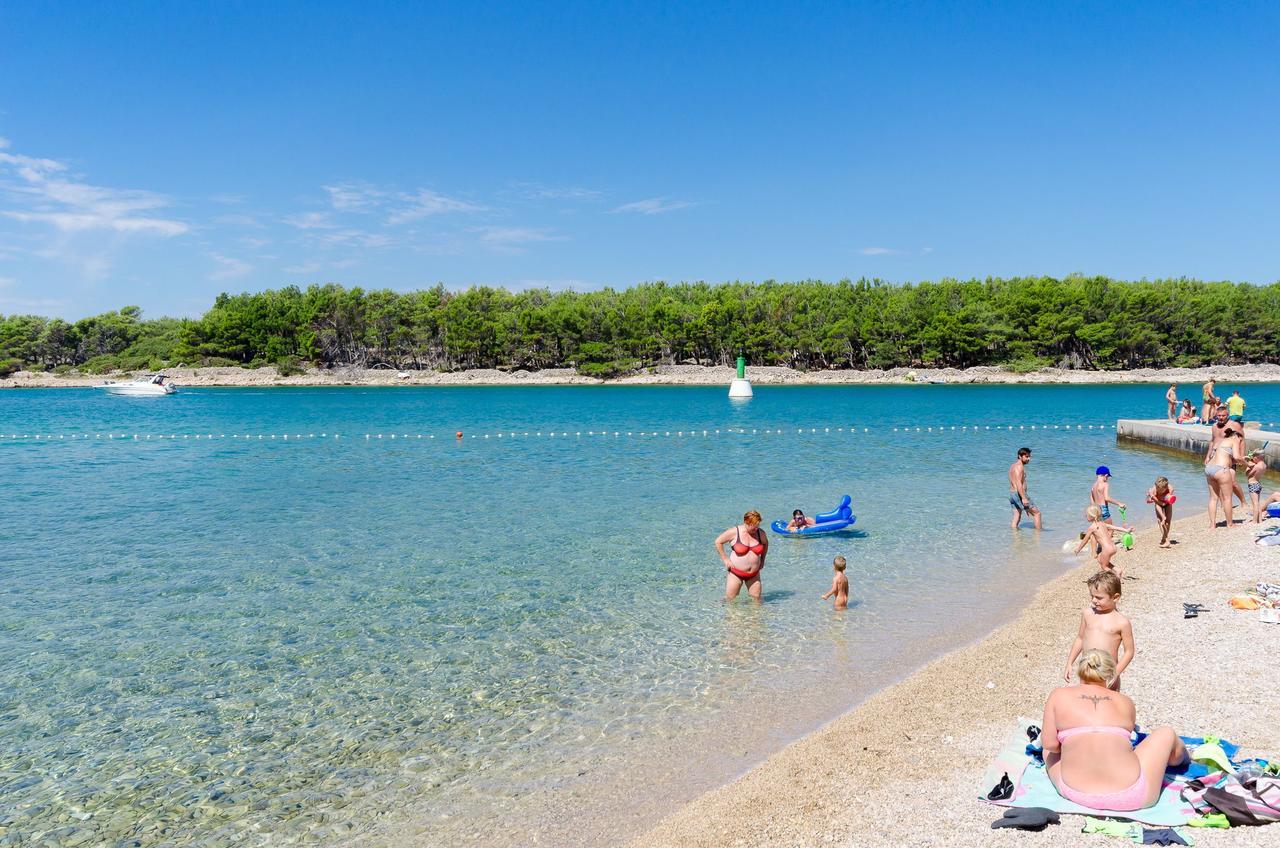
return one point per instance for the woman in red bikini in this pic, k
(746, 556)
(1087, 752)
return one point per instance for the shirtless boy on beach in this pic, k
(1162, 497)
(1255, 466)
(839, 584)
(1100, 494)
(1102, 626)
(1098, 537)
(1018, 490)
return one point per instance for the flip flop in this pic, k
(1002, 791)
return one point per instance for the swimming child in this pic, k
(839, 584)
(1100, 494)
(1102, 626)
(1162, 496)
(1255, 466)
(1099, 535)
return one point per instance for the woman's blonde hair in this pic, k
(1095, 666)
(1093, 513)
(751, 517)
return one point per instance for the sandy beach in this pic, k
(904, 767)
(662, 375)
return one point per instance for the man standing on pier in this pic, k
(1018, 490)
(1172, 397)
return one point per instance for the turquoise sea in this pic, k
(246, 639)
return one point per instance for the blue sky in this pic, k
(157, 154)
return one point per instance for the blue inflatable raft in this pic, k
(840, 518)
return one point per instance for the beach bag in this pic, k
(1251, 801)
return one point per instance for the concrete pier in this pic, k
(1193, 438)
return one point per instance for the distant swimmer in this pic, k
(1018, 490)
(745, 559)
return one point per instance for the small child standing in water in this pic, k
(1102, 626)
(839, 584)
(1162, 496)
(1098, 536)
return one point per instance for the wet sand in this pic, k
(664, 375)
(904, 767)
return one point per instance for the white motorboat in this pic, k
(150, 385)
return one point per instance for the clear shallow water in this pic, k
(278, 642)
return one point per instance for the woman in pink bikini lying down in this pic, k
(1086, 743)
(746, 556)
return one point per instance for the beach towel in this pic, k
(1032, 787)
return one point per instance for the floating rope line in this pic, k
(549, 434)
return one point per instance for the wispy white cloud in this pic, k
(238, 220)
(879, 251)
(7, 281)
(310, 221)
(512, 239)
(426, 202)
(359, 238)
(534, 191)
(354, 196)
(654, 206)
(38, 305)
(315, 266)
(44, 191)
(926, 250)
(228, 267)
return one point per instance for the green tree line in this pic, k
(1025, 322)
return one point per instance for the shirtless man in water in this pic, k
(1018, 490)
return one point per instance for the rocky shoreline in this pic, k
(663, 375)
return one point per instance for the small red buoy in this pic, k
(459, 434)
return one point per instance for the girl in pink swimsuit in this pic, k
(1087, 752)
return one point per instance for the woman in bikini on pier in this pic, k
(745, 558)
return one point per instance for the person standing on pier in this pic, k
(1210, 402)
(1171, 397)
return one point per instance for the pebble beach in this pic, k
(660, 375)
(904, 767)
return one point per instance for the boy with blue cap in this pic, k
(1100, 494)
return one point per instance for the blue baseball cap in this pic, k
(1102, 469)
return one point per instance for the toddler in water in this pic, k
(1099, 535)
(1162, 496)
(839, 584)
(1102, 626)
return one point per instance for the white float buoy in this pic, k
(741, 386)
